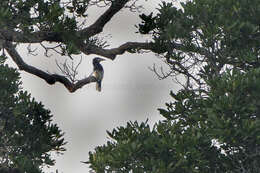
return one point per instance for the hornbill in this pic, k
(98, 72)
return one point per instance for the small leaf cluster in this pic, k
(147, 23)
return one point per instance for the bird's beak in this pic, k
(101, 59)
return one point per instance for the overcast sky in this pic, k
(130, 91)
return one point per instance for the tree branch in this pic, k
(49, 78)
(35, 37)
(99, 24)
(134, 47)
(9, 170)
(113, 52)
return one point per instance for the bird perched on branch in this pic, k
(98, 72)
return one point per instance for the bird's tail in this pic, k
(98, 86)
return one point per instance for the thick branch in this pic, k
(98, 26)
(35, 37)
(134, 47)
(9, 170)
(112, 53)
(49, 78)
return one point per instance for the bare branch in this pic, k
(31, 51)
(54, 48)
(162, 75)
(70, 71)
(133, 7)
(49, 78)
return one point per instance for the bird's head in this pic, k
(97, 60)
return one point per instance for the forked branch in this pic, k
(49, 78)
(69, 70)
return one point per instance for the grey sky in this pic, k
(130, 91)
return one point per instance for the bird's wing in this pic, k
(98, 75)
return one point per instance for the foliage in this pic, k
(33, 15)
(213, 34)
(213, 123)
(218, 133)
(27, 134)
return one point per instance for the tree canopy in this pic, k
(212, 124)
(27, 134)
